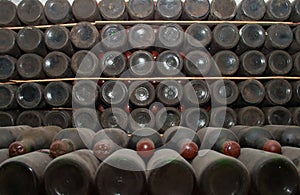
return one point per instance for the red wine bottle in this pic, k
(107, 141)
(78, 168)
(221, 140)
(145, 141)
(168, 10)
(141, 118)
(251, 10)
(195, 118)
(33, 139)
(8, 43)
(87, 118)
(58, 11)
(140, 10)
(267, 169)
(24, 172)
(178, 174)
(68, 140)
(31, 118)
(183, 140)
(222, 10)
(278, 10)
(166, 118)
(31, 12)
(195, 10)
(30, 66)
(86, 10)
(277, 115)
(285, 135)
(256, 137)
(8, 14)
(113, 10)
(212, 167)
(60, 118)
(10, 134)
(223, 117)
(114, 118)
(250, 116)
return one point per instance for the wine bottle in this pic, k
(8, 43)
(120, 171)
(33, 139)
(296, 65)
(197, 35)
(197, 63)
(57, 65)
(223, 117)
(277, 115)
(141, 64)
(278, 92)
(221, 10)
(107, 141)
(8, 118)
(31, 118)
(9, 134)
(113, 10)
(8, 68)
(210, 169)
(279, 63)
(168, 10)
(269, 172)
(72, 139)
(198, 93)
(295, 46)
(278, 10)
(252, 36)
(170, 36)
(114, 118)
(169, 92)
(85, 93)
(145, 141)
(295, 115)
(58, 94)
(58, 11)
(85, 64)
(251, 10)
(57, 38)
(30, 95)
(250, 116)
(31, 40)
(141, 36)
(114, 37)
(87, 118)
(4, 155)
(24, 172)
(227, 62)
(8, 14)
(113, 64)
(31, 12)
(113, 93)
(295, 15)
(252, 63)
(169, 63)
(195, 118)
(78, 168)
(167, 117)
(178, 174)
(140, 9)
(141, 118)
(183, 140)
(86, 10)
(195, 10)
(221, 140)
(251, 92)
(30, 66)
(285, 135)
(141, 93)
(224, 92)
(8, 97)
(256, 137)
(60, 118)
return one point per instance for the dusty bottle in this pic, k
(113, 10)
(270, 173)
(31, 118)
(183, 140)
(278, 92)
(141, 9)
(295, 15)
(169, 63)
(114, 37)
(141, 64)
(296, 65)
(7, 67)
(31, 40)
(295, 46)
(168, 10)
(77, 167)
(58, 94)
(169, 92)
(141, 36)
(224, 92)
(279, 63)
(8, 97)
(4, 155)
(8, 42)
(8, 118)
(113, 93)
(195, 10)
(30, 95)
(251, 92)
(107, 141)
(179, 175)
(227, 62)
(31, 12)
(69, 140)
(166, 118)
(198, 93)
(285, 135)
(86, 118)
(60, 118)
(277, 115)
(195, 118)
(57, 38)
(252, 63)
(278, 10)
(251, 10)
(256, 137)
(141, 93)
(9, 134)
(197, 35)
(24, 172)
(250, 116)
(223, 117)
(33, 139)
(197, 63)
(141, 118)
(30, 66)
(170, 36)
(58, 11)
(125, 164)
(114, 118)
(113, 64)
(8, 14)
(86, 10)
(57, 65)
(222, 10)
(295, 115)
(85, 93)
(210, 175)
(221, 140)
(85, 64)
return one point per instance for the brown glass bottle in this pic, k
(222, 10)
(30, 66)
(85, 64)
(8, 118)
(223, 117)
(278, 10)
(86, 10)
(141, 64)
(285, 135)
(86, 118)
(58, 11)
(227, 63)
(279, 63)
(8, 14)
(252, 63)
(8, 42)
(278, 92)
(9, 134)
(141, 93)
(197, 63)
(114, 37)
(277, 115)
(167, 117)
(195, 118)
(250, 116)
(60, 118)
(30, 95)
(195, 10)
(7, 68)
(8, 97)
(141, 118)
(113, 10)
(224, 92)
(198, 91)
(57, 65)
(31, 12)
(140, 9)
(251, 10)
(169, 92)
(251, 92)
(168, 10)
(114, 118)
(31, 118)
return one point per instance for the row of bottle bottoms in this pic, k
(61, 11)
(181, 161)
